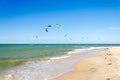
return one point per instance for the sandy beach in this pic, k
(104, 65)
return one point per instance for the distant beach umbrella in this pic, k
(46, 28)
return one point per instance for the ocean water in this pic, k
(15, 54)
(12, 55)
(10, 52)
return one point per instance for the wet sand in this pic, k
(104, 65)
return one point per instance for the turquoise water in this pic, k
(33, 51)
(16, 54)
(28, 51)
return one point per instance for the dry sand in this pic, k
(104, 65)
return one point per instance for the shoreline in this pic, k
(47, 69)
(101, 66)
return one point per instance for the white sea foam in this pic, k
(61, 57)
(76, 51)
(79, 50)
(84, 49)
(44, 70)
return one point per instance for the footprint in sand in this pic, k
(92, 69)
(110, 60)
(108, 79)
(105, 57)
(109, 63)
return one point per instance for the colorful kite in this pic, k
(58, 26)
(46, 28)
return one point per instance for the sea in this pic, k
(31, 61)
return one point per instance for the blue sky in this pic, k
(82, 21)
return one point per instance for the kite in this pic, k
(68, 37)
(46, 28)
(36, 37)
(58, 26)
